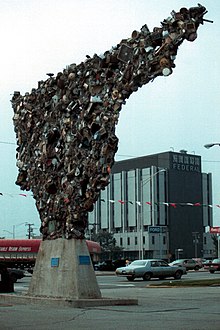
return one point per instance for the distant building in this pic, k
(157, 206)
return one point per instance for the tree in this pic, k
(108, 244)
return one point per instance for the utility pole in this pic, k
(30, 230)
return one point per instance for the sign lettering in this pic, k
(186, 163)
(214, 230)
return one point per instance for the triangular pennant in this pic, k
(173, 205)
(182, 204)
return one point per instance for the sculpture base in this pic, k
(64, 269)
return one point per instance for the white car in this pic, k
(149, 268)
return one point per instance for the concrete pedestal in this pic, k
(64, 269)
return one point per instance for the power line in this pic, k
(203, 161)
(5, 142)
(130, 156)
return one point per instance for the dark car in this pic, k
(109, 265)
(214, 266)
(190, 264)
(16, 274)
(106, 265)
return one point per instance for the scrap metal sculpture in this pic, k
(65, 127)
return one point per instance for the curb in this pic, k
(65, 302)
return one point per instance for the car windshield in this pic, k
(179, 260)
(138, 263)
(216, 261)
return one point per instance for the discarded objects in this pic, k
(65, 127)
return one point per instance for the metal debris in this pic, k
(65, 127)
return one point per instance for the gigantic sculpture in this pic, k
(65, 127)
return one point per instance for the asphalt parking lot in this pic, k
(158, 308)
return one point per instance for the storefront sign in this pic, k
(214, 230)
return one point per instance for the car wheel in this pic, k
(13, 278)
(178, 275)
(130, 278)
(147, 277)
(211, 271)
(196, 268)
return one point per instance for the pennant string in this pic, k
(172, 204)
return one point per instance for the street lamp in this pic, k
(141, 215)
(210, 145)
(207, 146)
(195, 241)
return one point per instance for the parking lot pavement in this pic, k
(158, 308)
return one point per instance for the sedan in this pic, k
(190, 264)
(214, 266)
(150, 268)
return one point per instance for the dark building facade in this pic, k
(157, 206)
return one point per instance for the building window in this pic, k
(152, 239)
(164, 239)
(143, 239)
(205, 241)
(128, 240)
(121, 241)
(135, 240)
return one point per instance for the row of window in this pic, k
(136, 240)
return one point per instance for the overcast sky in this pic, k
(177, 112)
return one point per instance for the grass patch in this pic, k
(209, 282)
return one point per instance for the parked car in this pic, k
(214, 266)
(206, 264)
(109, 265)
(200, 261)
(149, 268)
(106, 265)
(16, 274)
(190, 264)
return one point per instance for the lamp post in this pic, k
(141, 213)
(208, 146)
(195, 241)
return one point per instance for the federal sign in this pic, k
(185, 162)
